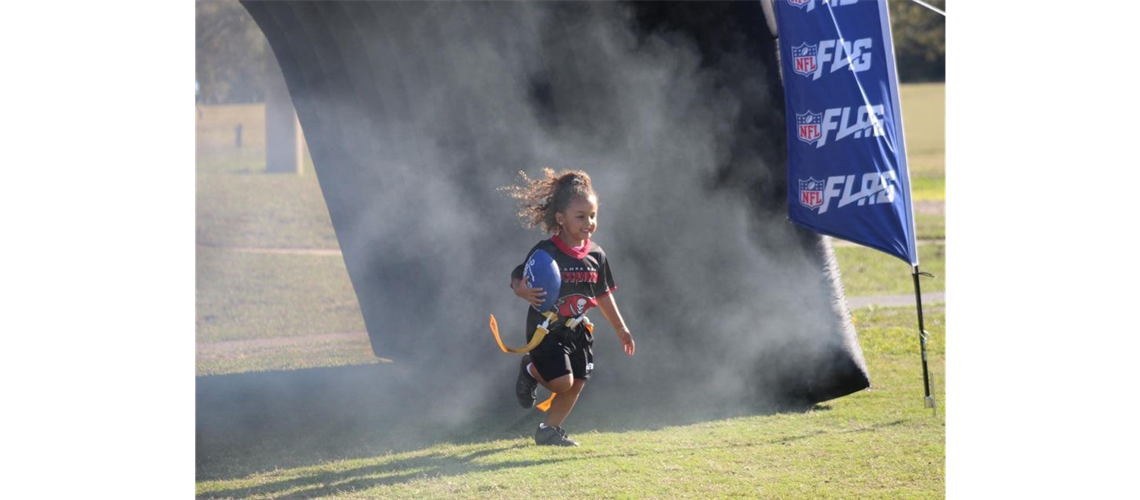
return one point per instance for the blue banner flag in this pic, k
(847, 174)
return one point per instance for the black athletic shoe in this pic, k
(552, 436)
(526, 387)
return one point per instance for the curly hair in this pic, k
(540, 198)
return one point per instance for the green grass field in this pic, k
(924, 124)
(876, 444)
(930, 226)
(871, 272)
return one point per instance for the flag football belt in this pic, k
(540, 331)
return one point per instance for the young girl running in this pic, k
(566, 206)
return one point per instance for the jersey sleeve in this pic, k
(606, 283)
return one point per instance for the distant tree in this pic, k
(920, 40)
(232, 57)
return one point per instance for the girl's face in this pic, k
(579, 220)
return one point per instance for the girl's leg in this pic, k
(568, 390)
(564, 402)
(558, 385)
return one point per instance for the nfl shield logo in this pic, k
(808, 127)
(811, 193)
(799, 3)
(803, 59)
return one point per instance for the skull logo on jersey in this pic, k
(575, 305)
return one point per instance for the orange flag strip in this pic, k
(539, 334)
(545, 405)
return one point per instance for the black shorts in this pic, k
(564, 351)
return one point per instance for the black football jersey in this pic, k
(586, 276)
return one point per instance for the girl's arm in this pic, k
(610, 311)
(532, 295)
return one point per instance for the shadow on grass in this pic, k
(255, 422)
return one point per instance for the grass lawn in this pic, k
(870, 272)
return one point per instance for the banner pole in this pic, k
(922, 341)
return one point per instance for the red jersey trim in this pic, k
(568, 250)
(607, 292)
